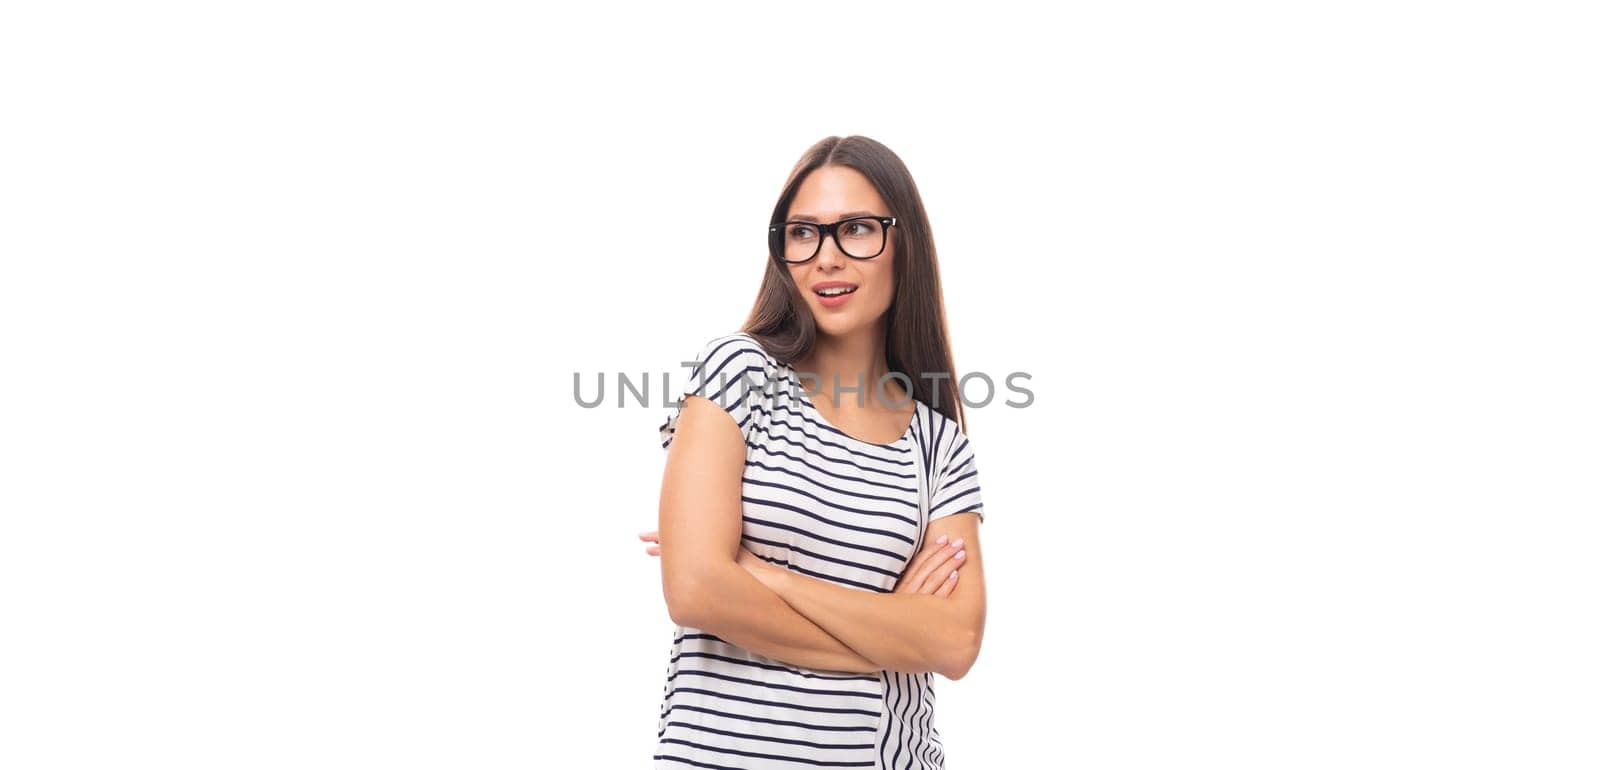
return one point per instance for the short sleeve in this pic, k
(956, 481)
(733, 372)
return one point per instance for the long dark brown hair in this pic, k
(917, 340)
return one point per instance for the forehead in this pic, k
(831, 192)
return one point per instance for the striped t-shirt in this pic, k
(836, 508)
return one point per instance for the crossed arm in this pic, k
(713, 583)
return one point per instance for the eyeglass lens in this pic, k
(859, 238)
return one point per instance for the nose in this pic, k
(829, 257)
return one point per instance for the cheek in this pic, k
(883, 284)
(799, 285)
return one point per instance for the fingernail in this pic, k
(961, 554)
(957, 543)
(952, 574)
(941, 539)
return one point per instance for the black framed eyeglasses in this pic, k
(858, 237)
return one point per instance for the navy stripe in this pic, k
(840, 525)
(800, 429)
(927, 454)
(962, 447)
(787, 440)
(964, 477)
(935, 511)
(768, 666)
(722, 362)
(824, 442)
(771, 739)
(885, 733)
(828, 503)
(789, 704)
(821, 557)
(697, 764)
(906, 711)
(770, 451)
(773, 685)
(925, 720)
(759, 755)
(727, 380)
(777, 469)
(785, 722)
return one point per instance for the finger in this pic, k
(927, 552)
(916, 561)
(922, 566)
(653, 536)
(911, 578)
(948, 585)
(653, 550)
(924, 581)
(933, 570)
(952, 563)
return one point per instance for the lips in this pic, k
(833, 288)
(833, 293)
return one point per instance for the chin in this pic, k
(835, 324)
(833, 327)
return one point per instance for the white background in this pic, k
(292, 295)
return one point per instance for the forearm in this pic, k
(908, 632)
(739, 608)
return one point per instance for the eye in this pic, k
(858, 228)
(801, 231)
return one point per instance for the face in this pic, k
(828, 194)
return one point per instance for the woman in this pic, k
(811, 532)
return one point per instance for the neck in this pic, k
(858, 359)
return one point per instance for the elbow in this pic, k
(961, 654)
(695, 593)
(684, 603)
(690, 601)
(681, 613)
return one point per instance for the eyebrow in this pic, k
(818, 220)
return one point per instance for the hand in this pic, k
(653, 536)
(933, 570)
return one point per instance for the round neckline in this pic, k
(824, 421)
